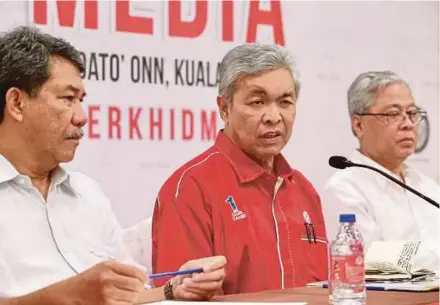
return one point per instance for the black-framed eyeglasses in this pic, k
(415, 116)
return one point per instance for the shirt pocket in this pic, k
(314, 244)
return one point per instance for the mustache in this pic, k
(76, 134)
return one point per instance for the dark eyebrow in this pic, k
(287, 94)
(256, 90)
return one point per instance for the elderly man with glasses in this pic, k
(384, 118)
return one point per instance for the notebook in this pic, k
(392, 286)
(393, 260)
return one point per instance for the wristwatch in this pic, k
(168, 290)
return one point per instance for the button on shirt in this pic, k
(43, 242)
(385, 210)
(223, 203)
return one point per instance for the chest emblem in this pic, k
(236, 213)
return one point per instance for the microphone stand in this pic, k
(349, 163)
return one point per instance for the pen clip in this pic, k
(313, 232)
(307, 232)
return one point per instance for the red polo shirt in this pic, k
(224, 203)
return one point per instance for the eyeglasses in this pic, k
(415, 116)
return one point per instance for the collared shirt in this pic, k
(46, 241)
(385, 210)
(223, 203)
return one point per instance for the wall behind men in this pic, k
(151, 78)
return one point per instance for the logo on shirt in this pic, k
(236, 213)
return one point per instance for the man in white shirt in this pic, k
(384, 118)
(60, 241)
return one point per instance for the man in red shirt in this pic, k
(240, 198)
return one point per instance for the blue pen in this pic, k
(174, 273)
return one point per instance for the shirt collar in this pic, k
(8, 172)
(247, 169)
(408, 172)
(60, 176)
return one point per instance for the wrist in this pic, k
(169, 290)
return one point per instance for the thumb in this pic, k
(211, 263)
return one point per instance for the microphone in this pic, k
(339, 162)
(342, 162)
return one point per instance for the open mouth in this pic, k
(271, 134)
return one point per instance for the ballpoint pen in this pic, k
(313, 231)
(307, 232)
(174, 273)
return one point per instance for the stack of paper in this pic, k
(392, 260)
(388, 266)
(392, 286)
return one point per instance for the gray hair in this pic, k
(361, 93)
(250, 60)
(25, 54)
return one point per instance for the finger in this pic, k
(217, 275)
(201, 293)
(114, 302)
(189, 296)
(203, 286)
(214, 263)
(129, 271)
(208, 263)
(128, 283)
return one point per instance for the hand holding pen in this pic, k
(198, 279)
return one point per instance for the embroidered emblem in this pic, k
(236, 213)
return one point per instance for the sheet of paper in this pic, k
(391, 256)
(392, 260)
(397, 286)
(406, 286)
(225, 303)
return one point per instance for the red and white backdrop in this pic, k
(151, 78)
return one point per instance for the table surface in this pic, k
(319, 296)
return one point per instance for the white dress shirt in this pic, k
(46, 241)
(385, 210)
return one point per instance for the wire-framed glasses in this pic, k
(415, 116)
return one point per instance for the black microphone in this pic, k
(342, 162)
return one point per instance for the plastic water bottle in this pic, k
(346, 264)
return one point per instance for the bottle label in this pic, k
(349, 270)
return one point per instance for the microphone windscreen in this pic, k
(338, 162)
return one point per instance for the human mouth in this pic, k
(411, 140)
(270, 138)
(75, 136)
(271, 134)
(407, 141)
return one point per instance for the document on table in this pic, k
(392, 286)
(225, 303)
(392, 260)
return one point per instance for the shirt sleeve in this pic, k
(182, 226)
(344, 197)
(113, 235)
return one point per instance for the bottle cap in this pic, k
(347, 218)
